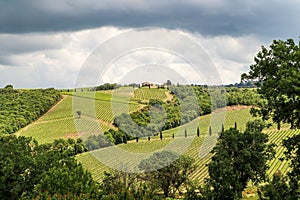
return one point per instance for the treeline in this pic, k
(106, 86)
(21, 107)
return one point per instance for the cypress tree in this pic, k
(210, 131)
(160, 135)
(185, 133)
(125, 139)
(198, 132)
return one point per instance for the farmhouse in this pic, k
(147, 84)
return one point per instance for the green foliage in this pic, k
(21, 107)
(123, 185)
(238, 158)
(277, 189)
(188, 103)
(29, 170)
(292, 153)
(96, 142)
(70, 146)
(140, 124)
(167, 171)
(277, 72)
(286, 186)
(242, 96)
(9, 87)
(155, 144)
(106, 86)
(109, 138)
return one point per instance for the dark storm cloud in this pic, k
(216, 17)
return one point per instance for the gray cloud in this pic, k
(44, 43)
(216, 17)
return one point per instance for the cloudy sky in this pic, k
(47, 43)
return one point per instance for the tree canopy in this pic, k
(277, 71)
(34, 171)
(21, 107)
(238, 158)
(168, 171)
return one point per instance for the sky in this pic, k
(58, 43)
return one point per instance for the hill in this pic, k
(98, 110)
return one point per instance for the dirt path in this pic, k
(169, 96)
(19, 132)
(228, 108)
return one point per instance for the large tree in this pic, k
(277, 72)
(168, 171)
(123, 185)
(238, 158)
(34, 171)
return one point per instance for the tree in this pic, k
(185, 133)
(66, 180)
(168, 171)
(198, 132)
(169, 83)
(286, 186)
(277, 72)
(125, 139)
(160, 135)
(277, 189)
(238, 158)
(78, 113)
(292, 153)
(122, 185)
(30, 170)
(9, 87)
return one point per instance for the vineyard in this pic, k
(89, 160)
(192, 144)
(98, 110)
(144, 94)
(97, 114)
